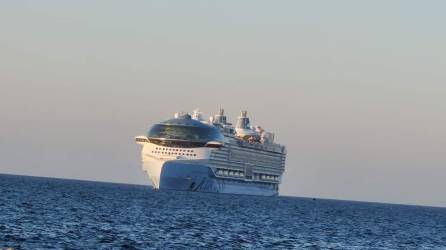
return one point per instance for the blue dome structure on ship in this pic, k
(184, 128)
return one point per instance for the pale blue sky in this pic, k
(355, 89)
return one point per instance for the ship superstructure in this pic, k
(190, 153)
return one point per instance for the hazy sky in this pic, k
(356, 90)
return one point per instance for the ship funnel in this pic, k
(243, 121)
(220, 118)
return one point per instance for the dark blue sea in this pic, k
(46, 213)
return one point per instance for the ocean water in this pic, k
(45, 213)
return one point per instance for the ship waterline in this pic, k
(190, 154)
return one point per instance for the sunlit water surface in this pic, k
(56, 213)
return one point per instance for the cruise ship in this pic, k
(192, 154)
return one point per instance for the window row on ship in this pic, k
(255, 149)
(244, 155)
(272, 170)
(274, 186)
(241, 167)
(255, 176)
(234, 150)
(174, 151)
(243, 161)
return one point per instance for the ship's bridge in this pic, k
(184, 132)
